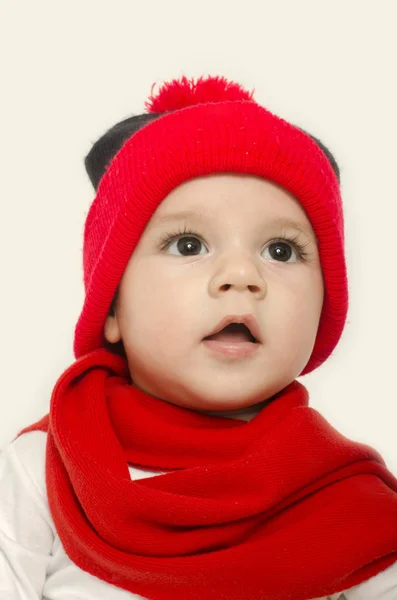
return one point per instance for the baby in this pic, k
(180, 459)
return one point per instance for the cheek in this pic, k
(296, 308)
(160, 312)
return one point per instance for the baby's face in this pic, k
(171, 297)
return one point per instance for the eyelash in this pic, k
(168, 238)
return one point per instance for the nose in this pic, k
(239, 273)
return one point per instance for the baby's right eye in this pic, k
(192, 237)
(190, 244)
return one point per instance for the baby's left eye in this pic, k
(282, 251)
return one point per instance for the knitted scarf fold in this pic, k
(279, 508)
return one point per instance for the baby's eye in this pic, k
(282, 251)
(188, 245)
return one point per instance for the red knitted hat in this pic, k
(209, 126)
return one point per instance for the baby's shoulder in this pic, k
(23, 459)
(26, 524)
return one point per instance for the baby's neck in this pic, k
(245, 413)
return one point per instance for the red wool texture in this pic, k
(282, 507)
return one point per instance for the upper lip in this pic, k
(248, 320)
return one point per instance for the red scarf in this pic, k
(281, 507)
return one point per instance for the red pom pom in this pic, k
(183, 92)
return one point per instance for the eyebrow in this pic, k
(202, 216)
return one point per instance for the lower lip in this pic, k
(238, 349)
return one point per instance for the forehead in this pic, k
(223, 190)
(205, 199)
(198, 215)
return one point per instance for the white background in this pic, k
(70, 70)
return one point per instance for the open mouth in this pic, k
(233, 333)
